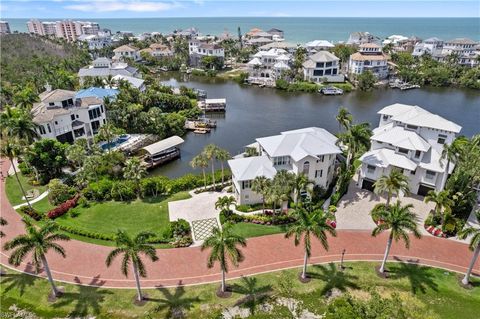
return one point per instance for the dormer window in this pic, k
(403, 150)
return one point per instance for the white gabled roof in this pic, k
(163, 145)
(385, 157)
(415, 115)
(248, 168)
(299, 144)
(319, 43)
(136, 82)
(281, 65)
(433, 162)
(254, 61)
(400, 137)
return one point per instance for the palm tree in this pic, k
(474, 246)
(25, 98)
(450, 153)
(442, 200)
(394, 183)
(283, 184)
(399, 220)
(37, 241)
(223, 155)
(224, 245)
(131, 248)
(261, 185)
(134, 171)
(21, 126)
(224, 202)
(200, 161)
(344, 118)
(310, 224)
(10, 148)
(3, 222)
(210, 152)
(355, 138)
(300, 183)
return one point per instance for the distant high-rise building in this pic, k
(4, 27)
(66, 29)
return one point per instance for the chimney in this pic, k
(48, 87)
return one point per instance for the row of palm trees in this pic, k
(209, 155)
(224, 245)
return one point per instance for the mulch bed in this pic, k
(52, 298)
(224, 294)
(142, 302)
(383, 275)
(305, 280)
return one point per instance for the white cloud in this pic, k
(112, 6)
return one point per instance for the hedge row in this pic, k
(263, 219)
(63, 208)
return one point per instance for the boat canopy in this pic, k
(163, 145)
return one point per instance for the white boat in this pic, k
(331, 90)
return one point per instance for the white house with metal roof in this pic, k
(103, 67)
(311, 151)
(410, 139)
(267, 66)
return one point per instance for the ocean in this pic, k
(297, 30)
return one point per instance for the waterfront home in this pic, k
(103, 67)
(429, 46)
(4, 27)
(268, 66)
(460, 46)
(358, 38)
(318, 45)
(258, 42)
(127, 51)
(411, 140)
(95, 41)
(322, 66)
(311, 151)
(199, 49)
(276, 33)
(61, 115)
(369, 57)
(134, 82)
(400, 43)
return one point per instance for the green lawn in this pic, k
(434, 293)
(13, 191)
(255, 230)
(133, 217)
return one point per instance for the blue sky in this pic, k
(236, 8)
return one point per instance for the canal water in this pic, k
(254, 112)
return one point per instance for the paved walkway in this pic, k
(187, 266)
(33, 201)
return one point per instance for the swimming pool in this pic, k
(116, 143)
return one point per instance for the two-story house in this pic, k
(431, 46)
(103, 67)
(61, 115)
(369, 58)
(267, 66)
(321, 66)
(311, 151)
(127, 51)
(411, 140)
(199, 49)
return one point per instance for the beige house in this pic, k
(127, 51)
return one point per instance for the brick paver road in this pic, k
(85, 262)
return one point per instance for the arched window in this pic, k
(306, 167)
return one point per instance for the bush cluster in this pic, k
(269, 218)
(63, 208)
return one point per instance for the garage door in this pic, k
(423, 190)
(368, 184)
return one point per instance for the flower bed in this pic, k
(435, 231)
(63, 208)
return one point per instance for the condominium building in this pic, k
(4, 27)
(66, 29)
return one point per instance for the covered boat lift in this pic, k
(162, 151)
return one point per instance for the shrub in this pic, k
(178, 228)
(89, 234)
(30, 212)
(63, 208)
(182, 242)
(58, 192)
(154, 186)
(99, 191)
(123, 191)
(24, 168)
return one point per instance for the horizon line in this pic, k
(271, 17)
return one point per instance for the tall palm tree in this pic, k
(474, 245)
(344, 118)
(442, 200)
(283, 183)
(261, 185)
(399, 220)
(394, 183)
(134, 171)
(37, 241)
(356, 137)
(200, 161)
(310, 224)
(21, 126)
(224, 246)
(210, 152)
(300, 183)
(10, 148)
(450, 153)
(25, 98)
(131, 249)
(223, 155)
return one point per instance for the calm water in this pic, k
(254, 112)
(298, 30)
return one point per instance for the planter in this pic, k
(435, 231)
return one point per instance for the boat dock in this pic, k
(213, 105)
(397, 84)
(161, 152)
